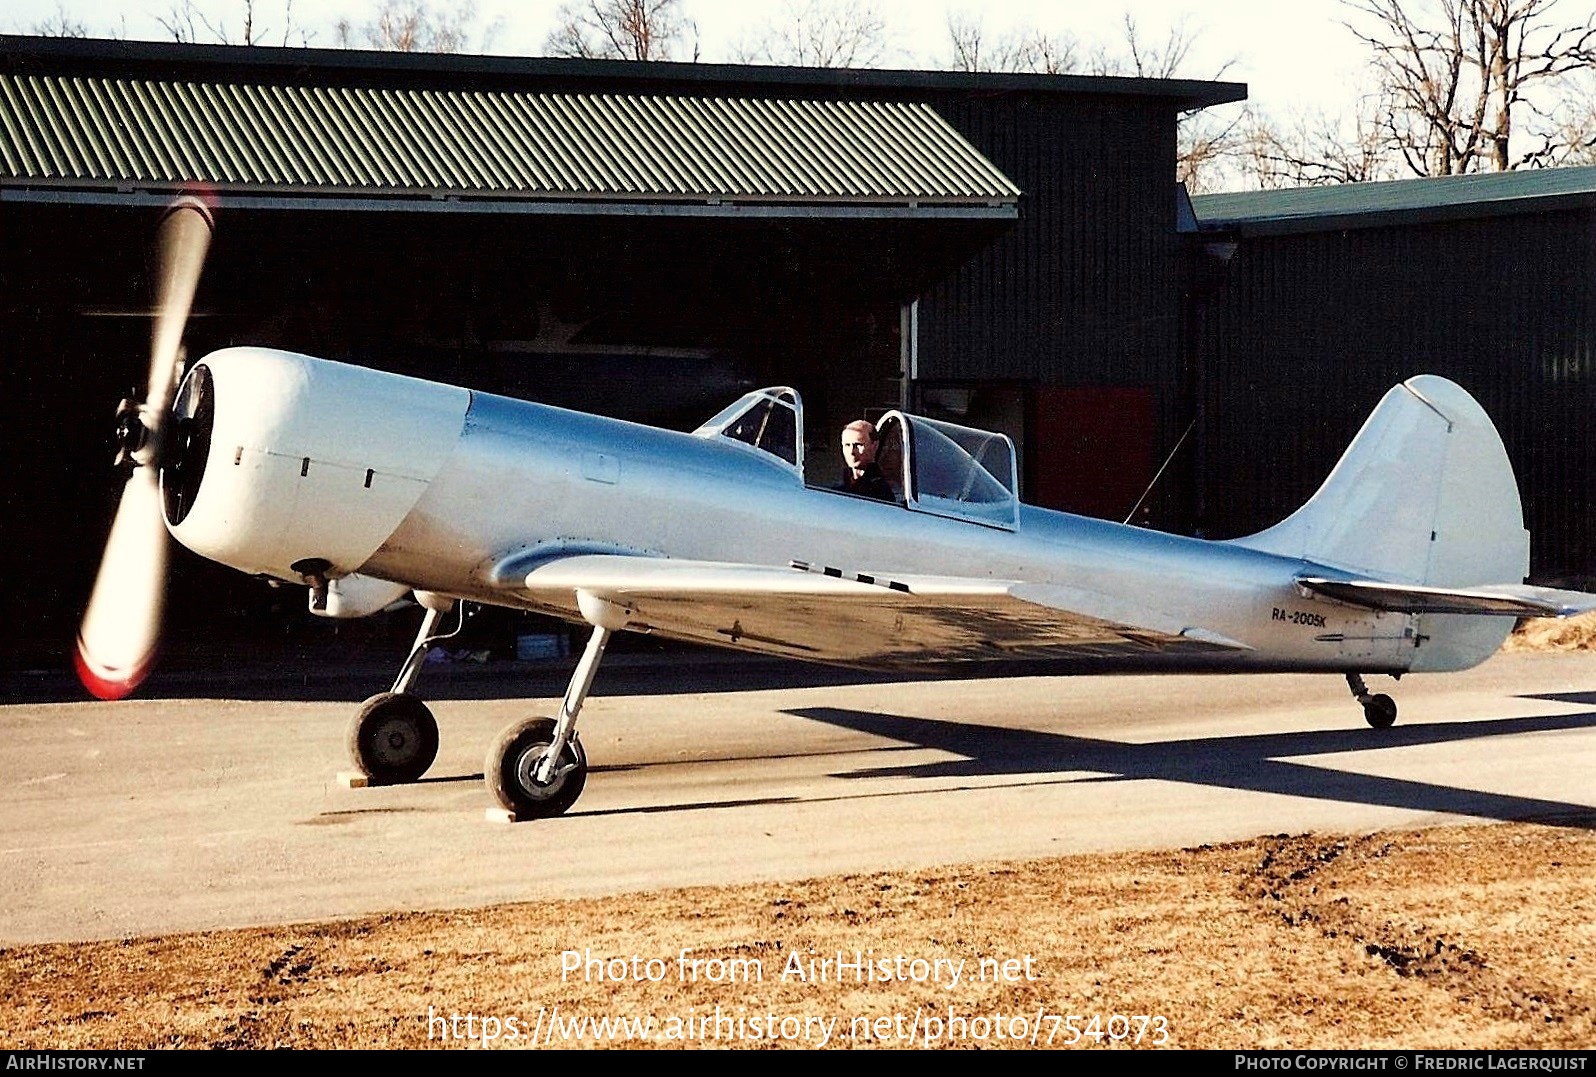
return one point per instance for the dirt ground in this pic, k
(1453, 937)
(1444, 938)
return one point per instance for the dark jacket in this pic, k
(870, 483)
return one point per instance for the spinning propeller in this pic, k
(121, 627)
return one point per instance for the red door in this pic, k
(1091, 449)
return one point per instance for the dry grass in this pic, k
(1456, 937)
(1554, 634)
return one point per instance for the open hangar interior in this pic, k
(641, 240)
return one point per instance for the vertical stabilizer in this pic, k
(1425, 494)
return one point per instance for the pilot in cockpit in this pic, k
(863, 477)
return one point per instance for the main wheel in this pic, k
(393, 739)
(511, 770)
(1380, 711)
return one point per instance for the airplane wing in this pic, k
(1503, 600)
(895, 622)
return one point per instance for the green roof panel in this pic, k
(1411, 201)
(127, 133)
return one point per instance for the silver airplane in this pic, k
(364, 486)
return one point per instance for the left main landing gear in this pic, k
(537, 768)
(393, 738)
(1380, 711)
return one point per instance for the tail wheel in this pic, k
(393, 738)
(511, 767)
(1380, 711)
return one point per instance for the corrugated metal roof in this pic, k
(1414, 201)
(124, 132)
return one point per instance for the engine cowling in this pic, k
(287, 466)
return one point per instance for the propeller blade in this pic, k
(121, 627)
(182, 242)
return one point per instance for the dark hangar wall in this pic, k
(1084, 289)
(1070, 325)
(1305, 332)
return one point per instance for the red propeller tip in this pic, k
(109, 684)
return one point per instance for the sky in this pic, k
(1294, 57)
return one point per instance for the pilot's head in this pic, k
(858, 445)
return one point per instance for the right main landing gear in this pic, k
(537, 768)
(1380, 711)
(511, 771)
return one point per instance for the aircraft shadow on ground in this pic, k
(1582, 699)
(1260, 763)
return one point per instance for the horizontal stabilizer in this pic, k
(1500, 600)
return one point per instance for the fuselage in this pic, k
(473, 490)
(523, 483)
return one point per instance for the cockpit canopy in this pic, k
(770, 420)
(934, 467)
(950, 470)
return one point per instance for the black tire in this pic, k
(393, 739)
(1380, 711)
(512, 760)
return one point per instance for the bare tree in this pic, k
(1576, 121)
(1136, 57)
(60, 24)
(1464, 78)
(1024, 49)
(416, 26)
(822, 33)
(186, 22)
(1210, 149)
(623, 30)
(1316, 149)
(1027, 48)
